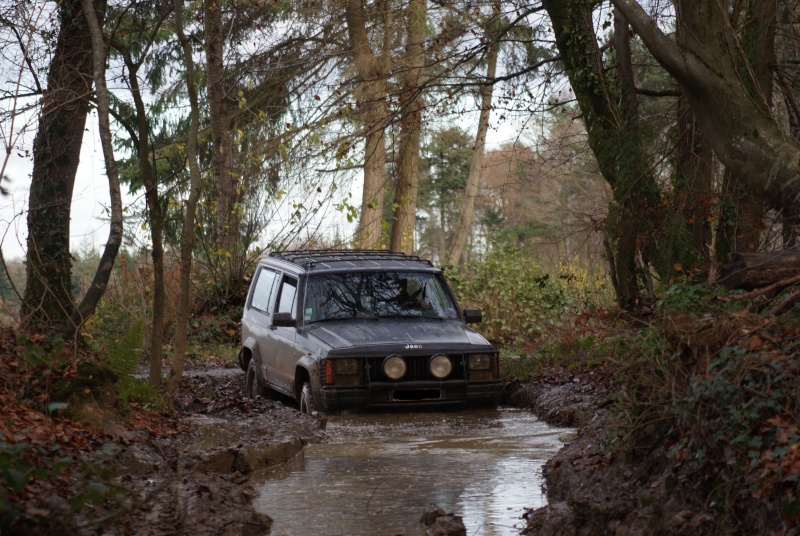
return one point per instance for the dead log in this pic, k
(750, 271)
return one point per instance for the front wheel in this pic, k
(307, 404)
(252, 386)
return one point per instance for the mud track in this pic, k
(190, 474)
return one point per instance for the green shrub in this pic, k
(521, 304)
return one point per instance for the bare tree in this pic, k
(707, 61)
(106, 264)
(412, 104)
(225, 184)
(609, 107)
(459, 243)
(140, 134)
(188, 236)
(372, 69)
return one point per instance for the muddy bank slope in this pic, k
(594, 489)
(189, 473)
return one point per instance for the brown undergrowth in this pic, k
(702, 436)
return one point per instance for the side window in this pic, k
(263, 290)
(287, 296)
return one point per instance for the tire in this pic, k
(307, 404)
(252, 386)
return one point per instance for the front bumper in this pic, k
(412, 395)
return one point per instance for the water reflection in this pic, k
(379, 473)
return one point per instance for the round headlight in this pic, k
(394, 367)
(440, 366)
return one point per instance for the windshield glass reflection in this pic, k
(377, 295)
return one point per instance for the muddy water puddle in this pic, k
(378, 473)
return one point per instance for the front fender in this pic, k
(310, 364)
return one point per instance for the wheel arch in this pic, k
(306, 371)
(247, 352)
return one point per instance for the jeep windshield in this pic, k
(377, 295)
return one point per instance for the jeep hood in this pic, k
(365, 333)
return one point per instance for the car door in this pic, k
(285, 352)
(258, 317)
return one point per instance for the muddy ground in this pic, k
(189, 472)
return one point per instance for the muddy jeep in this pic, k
(369, 330)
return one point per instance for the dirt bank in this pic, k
(189, 473)
(595, 490)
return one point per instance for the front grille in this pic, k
(417, 369)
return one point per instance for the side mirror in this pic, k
(283, 320)
(472, 316)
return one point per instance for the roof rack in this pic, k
(306, 257)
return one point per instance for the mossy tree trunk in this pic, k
(48, 299)
(607, 99)
(412, 104)
(743, 210)
(371, 89)
(103, 273)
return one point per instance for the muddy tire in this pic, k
(307, 404)
(252, 386)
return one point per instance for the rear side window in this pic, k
(263, 290)
(287, 296)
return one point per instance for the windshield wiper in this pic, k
(413, 317)
(338, 318)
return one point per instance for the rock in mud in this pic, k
(435, 522)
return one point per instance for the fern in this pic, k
(124, 358)
(131, 387)
(127, 350)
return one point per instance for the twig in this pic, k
(786, 304)
(761, 291)
(366, 508)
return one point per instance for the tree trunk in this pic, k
(788, 53)
(741, 217)
(614, 136)
(56, 153)
(106, 264)
(187, 238)
(746, 208)
(147, 170)
(458, 245)
(707, 62)
(693, 182)
(753, 270)
(226, 186)
(412, 103)
(371, 94)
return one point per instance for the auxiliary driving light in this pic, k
(440, 366)
(394, 367)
